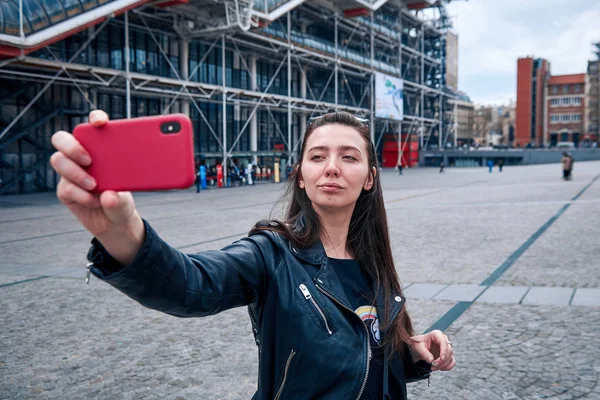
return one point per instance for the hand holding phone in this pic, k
(110, 216)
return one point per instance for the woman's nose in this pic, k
(332, 167)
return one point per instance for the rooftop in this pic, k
(566, 79)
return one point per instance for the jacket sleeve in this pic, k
(415, 371)
(165, 279)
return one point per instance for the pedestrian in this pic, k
(490, 165)
(322, 290)
(567, 166)
(249, 174)
(500, 165)
(399, 166)
(442, 166)
(198, 181)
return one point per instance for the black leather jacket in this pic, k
(308, 349)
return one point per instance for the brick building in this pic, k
(532, 75)
(565, 106)
(593, 100)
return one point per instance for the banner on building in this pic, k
(389, 95)
(452, 61)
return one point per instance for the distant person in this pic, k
(442, 166)
(490, 165)
(567, 166)
(399, 166)
(198, 183)
(500, 165)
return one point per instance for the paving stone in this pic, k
(586, 297)
(548, 296)
(460, 292)
(423, 290)
(503, 294)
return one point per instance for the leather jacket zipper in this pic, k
(285, 372)
(369, 355)
(309, 297)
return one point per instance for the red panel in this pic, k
(355, 12)
(171, 3)
(418, 6)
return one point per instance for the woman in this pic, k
(321, 287)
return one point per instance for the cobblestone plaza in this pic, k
(508, 264)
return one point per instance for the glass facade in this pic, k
(41, 14)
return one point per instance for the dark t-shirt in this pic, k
(358, 288)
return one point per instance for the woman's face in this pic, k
(335, 167)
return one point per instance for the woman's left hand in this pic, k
(435, 348)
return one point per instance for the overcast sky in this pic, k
(494, 33)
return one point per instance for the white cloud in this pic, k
(494, 34)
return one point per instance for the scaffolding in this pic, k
(248, 73)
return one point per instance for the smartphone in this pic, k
(140, 154)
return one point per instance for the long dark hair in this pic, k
(368, 236)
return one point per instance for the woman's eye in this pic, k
(316, 157)
(350, 158)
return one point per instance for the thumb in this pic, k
(117, 206)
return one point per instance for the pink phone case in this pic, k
(140, 154)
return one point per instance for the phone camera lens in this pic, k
(170, 127)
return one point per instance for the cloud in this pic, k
(494, 34)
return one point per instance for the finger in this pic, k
(71, 171)
(443, 365)
(67, 144)
(98, 118)
(450, 365)
(118, 206)
(445, 350)
(69, 193)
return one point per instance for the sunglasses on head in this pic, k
(363, 121)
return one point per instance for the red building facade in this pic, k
(565, 105)
(532, 76)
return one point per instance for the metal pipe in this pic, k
(336, 59)
(289, 82)
(21, 33)
(372, 107)
(224, 88)
(127, 76)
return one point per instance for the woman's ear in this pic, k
(299, 175)
(370, 179)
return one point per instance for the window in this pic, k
(565, 117)
(566, 89)
(578, 88)
(554, 119)
(555, 102)
(577, 101)
(554, 89)
(566, 101)
(564, 137)
(576, 117)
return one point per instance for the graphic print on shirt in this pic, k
(368, 314)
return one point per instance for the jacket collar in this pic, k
(328, 280)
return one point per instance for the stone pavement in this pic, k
(531, 332)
